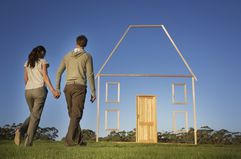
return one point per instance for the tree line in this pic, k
(205, 135)
(7, 132)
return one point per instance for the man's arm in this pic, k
(59, 74)
(90, 76)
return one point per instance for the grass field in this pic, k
(107, 150)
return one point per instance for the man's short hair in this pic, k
(81, 41)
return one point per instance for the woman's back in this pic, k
(35, 75)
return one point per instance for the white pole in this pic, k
(112, 52)
(98, 109)
(148, 75)
(178, 51)
(194, 111)
(145, 26)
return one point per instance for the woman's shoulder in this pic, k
(26, 63)
(44, 61)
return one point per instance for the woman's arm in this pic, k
(47, 80)
(25, 75)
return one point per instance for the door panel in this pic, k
(146, 119)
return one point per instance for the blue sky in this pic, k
(207, 33)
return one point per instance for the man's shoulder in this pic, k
(68, 54)
(88, 55)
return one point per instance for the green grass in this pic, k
(108, 150)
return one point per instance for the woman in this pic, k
(36, 78)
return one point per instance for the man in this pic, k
(79, 68)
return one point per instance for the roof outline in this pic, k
(147, 26)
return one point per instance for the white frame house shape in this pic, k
(118, 119)
(190, 76)
(115, 101)
(174, 101)
(107, 100)
(174, 121)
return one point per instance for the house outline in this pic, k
(191, 75)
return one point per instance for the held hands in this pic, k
(92, 98)
(56, 94)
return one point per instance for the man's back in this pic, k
(79, 68)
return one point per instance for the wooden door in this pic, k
(146, 129)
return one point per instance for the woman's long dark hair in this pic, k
(34, 56)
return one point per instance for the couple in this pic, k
(79, 68)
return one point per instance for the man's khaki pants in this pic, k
(75, 98)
